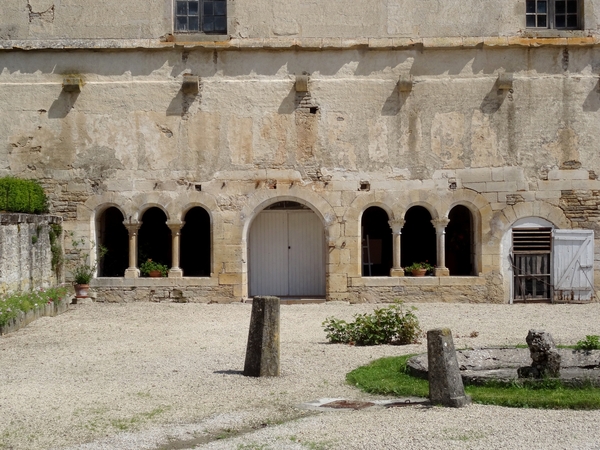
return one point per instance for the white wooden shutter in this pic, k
(573, 261)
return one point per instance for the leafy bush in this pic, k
(389, 325)
(149, 266)
(591, 342)
(81, 268)
(12, 304)
(26, 196)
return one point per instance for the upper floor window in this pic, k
(201, 16)
(562, 14)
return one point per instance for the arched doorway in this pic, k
(459, 241)
(154, 238)
(376, 239)
(195, 244)
(286, 250)
(113, 235)
(418, 237)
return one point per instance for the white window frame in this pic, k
(177, 15)
(551, 15)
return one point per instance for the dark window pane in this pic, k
(208, 24)
(220, 23)
(572, 6)
(194, 24)
(208, 8)
(182, 24)
(572, 21)
(530, 6)
(542, 7)
(560, 22)
(560, 7)
(220, 8)
(193, 8)
(542, 22)
(531, 21)
(181, 8)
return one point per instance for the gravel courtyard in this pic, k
(168, 376)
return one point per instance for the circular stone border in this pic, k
(478, 366)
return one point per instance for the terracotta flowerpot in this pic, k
(81, 290)
(154, 273)
(419, 272)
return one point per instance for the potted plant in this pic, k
(419, 269)
(82, 271)
(153, 269)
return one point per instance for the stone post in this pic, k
(445, 383)
(396, 225)
(175, 271)
(132, 227)
(440, 230)
(263, 351)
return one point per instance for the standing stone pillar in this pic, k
(396, 225)
(263, 351)
(445, 383)
(132, 227)
(175, 271)
(440, 230)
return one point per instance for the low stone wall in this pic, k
(178, 290)
(480, 289)
(23, 319)
(25, 254)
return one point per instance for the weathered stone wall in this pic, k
(354, 19)
(25, 255)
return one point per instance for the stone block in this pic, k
(445, 382)
(474, 175)
(263, 350)
(558, 174)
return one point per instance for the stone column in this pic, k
(445, 382)
(396, 225)
(263, 350)
(175, 271)
(132, 227)
(440, 230)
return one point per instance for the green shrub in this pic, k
(26, 196)
(591, 342)
(389, 325)
(11, 305)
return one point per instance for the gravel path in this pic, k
(167, 376)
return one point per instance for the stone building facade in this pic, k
(314, 149)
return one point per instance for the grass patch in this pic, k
(388, 376)
(12, 304)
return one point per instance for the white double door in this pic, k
(287, 254)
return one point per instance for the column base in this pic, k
(397, 272)
(441, 272)
(175, 273)
(132, 272)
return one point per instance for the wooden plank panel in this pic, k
(306, 254)
(268, 254)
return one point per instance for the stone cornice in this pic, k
(314, 44)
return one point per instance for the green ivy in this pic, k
(54, 234)
(26, 196)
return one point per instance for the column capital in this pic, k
(132, 227)
(396, 225)
(440, 223)
(175, 225)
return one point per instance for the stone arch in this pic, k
(418, 239)
(376, 241)
(323, 213)
(196, 242)
(112, 235)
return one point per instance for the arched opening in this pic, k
(154, 238)
(418, 237)
(195, 243)
(113, 235)
(286, 252)
(459, 242)
(376, 241)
